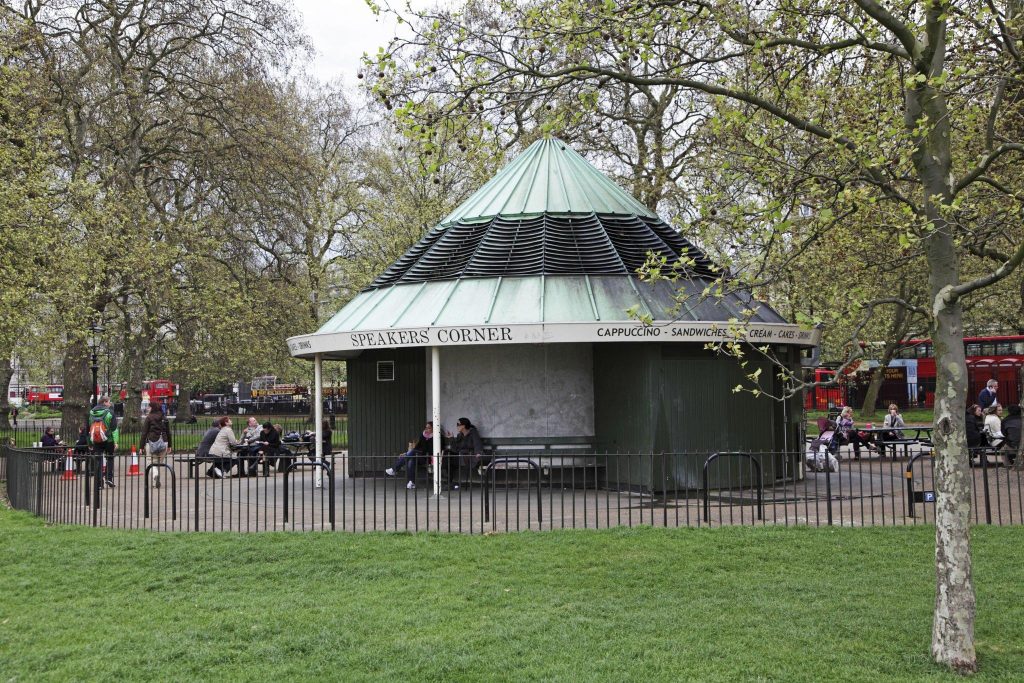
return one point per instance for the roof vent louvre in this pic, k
(548, 244)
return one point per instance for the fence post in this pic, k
(910, 484)
(828, 489)
(97, 486)
(760, 483)
(320, 467)
(490, 473)
(174, 490)
(909, 474)
(984, 477)
(195, 503)
(39, 488)
(287, 471)
(86, 480)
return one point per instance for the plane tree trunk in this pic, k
(6, 373)
(894, 338)
(183, 411)
(955, 606)
(77, 388)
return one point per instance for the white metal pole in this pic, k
(435, 400)
(318, 412)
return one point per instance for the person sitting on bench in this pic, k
(82, 445)
(469, 451)
(848, 433)
(51, 442)
(418, 450)
(993, 428)
(269, 442)
(53, 445)
(221, 448)
(250, 439)
(326, 438)
(975, 423)
(892, 422)
(1011, 430)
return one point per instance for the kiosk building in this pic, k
(523, 310)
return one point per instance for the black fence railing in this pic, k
(524, 491)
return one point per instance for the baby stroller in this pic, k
(820, 456)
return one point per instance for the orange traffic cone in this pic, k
(133, 469)
(69, 467)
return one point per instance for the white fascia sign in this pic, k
(552, 333)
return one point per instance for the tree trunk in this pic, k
(133, 400)
(183, 410)
(955, 607)
(896, 333)
(78, 388)
(874, 387)
(139, 345)
(1020, 388)
(6, 373)
(953, 626)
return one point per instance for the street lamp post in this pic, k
(95, 330)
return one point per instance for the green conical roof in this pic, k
(549, 177)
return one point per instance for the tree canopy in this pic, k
(881, 139)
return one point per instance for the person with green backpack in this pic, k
(103, 435)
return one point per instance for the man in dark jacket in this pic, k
(974, 424)
(988, 395)
(50, 441)
(203, 449)
(271, 448)
(1011, 432)
(82, 445)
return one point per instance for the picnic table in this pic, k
(922, 437)
(240, 453)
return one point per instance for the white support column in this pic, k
(435, 400)
(318, 413)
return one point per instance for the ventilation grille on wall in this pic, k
(385, 371)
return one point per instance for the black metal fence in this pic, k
(527, 491)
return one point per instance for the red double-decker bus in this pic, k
(159, 390)
(910, 377)
(997, 357)
(44, 395)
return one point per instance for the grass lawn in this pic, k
(642, 604)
